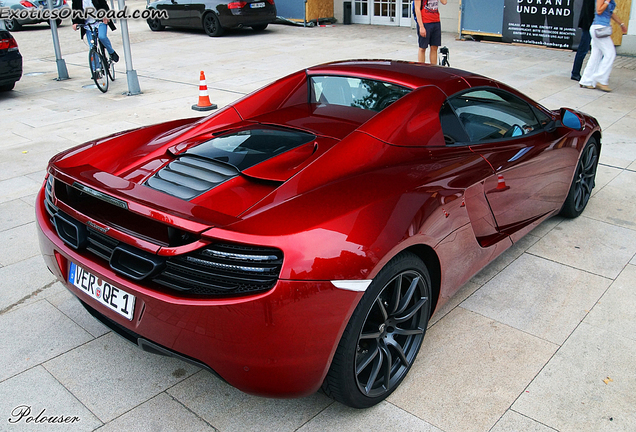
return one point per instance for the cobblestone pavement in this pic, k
(543, 339)
(625, 62)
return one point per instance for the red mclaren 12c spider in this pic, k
(303, 236)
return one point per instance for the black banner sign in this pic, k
(552, 23)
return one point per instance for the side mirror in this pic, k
(571, 120)
(516, 131)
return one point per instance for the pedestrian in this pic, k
(585, 22)
(88, 24)
(599, 66)
(429, 28)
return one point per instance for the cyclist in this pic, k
(90, 25)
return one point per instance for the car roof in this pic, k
(409, 74)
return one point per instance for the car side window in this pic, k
(493, 114)
(454, 133)
(543, 118)
(360, 93)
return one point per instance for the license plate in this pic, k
(257, 5)
(110, 296)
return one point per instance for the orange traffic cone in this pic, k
(204, 99)
(501, 184)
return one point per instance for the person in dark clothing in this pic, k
(90, 24)
(588, 10)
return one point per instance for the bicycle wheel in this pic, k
(97, 63)
(110, 65)
(111, 70)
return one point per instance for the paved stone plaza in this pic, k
(543, 339)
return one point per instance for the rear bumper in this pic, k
(279, 343)
(10, 67)
(244, 17)
(144, 344)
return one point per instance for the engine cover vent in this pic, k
(190, 176)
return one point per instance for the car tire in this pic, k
(385, 333)
(57, 21)
(155, 24)
(583, 181)
(12, 25)
(211, 25)
(7, 87)
(259, 28)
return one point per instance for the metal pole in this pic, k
(131, 74)
(461, 18)
(62, 72)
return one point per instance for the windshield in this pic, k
(354, 92)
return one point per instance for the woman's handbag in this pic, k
(603, 32)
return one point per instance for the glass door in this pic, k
(360, 13)
(382, 12)
(405, 11)
(385, 12)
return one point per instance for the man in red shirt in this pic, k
(429, 28)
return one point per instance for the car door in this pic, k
(198, 8)
(531, 166)
(178, 12)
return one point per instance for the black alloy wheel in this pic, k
(383, 336)
(155, 24)
(391, 334)
(211, 25)
(583, 181)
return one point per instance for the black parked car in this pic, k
(214, 16)
(10, 61)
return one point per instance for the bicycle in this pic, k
(101, 65)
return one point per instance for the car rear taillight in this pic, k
(25, 3)
(236, 5)
(270, 1)
(8, 44)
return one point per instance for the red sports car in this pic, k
(302, 236)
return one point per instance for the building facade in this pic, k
(393, 12)
(398, 13)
